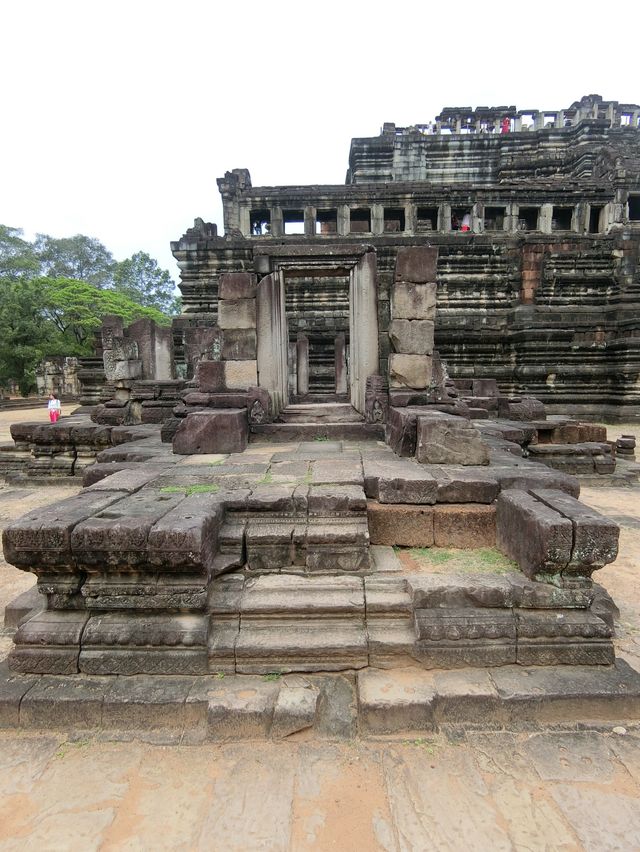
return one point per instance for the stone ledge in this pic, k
(373, 702)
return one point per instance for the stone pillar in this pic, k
(544, 218)
(444, 218)
(341, 363)
(309, 221)
(413, 308)
(344, 219)
(517, 124)
(363, 326)
(273, 339)
(302, 357)
(277, 223)
(377, 219)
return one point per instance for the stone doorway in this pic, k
(317, 312)
(317, 318)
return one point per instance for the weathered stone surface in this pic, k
(326, 500)
(405, 526)
(239, 344)
(398, 481)
(210, 376)
(416, 264)
(389, 702)
(464, 526)
(41, 539)
(48, 643)
(450, 638)
(295, 708)
(595, 538)
(447, 440)
(64, 703)
(118, 536)
(237, 313)
(536, 536)
(576, 637)
(520, 408)
(13, 688)
(465, 485)
(219, 431)
(240, 375)
(412, 337)
(412, 371)
(186, 537)
(237, 285)
(413, 301)
(22, 606)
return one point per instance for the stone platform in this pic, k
(279, 559)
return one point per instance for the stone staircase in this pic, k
(319, 420)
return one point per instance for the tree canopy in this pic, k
(54, 293)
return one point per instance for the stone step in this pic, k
(301, 645)
(288, 432)
(330, 412)
(292, 596)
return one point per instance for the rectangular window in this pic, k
(427, 219)
(360, 221)
(528, 218)
(561, 218)
(394, 219)
(634, 208)
(293, 221)
(260, 222)
(461, 219)
(494, 218)
(327, 222)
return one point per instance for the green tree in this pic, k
(75, 309)
(140, 278)
(18, 258)
(79, 257)
(25, 333)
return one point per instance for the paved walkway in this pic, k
(542, 791)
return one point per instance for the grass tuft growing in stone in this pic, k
(484, 560)
(190, 489)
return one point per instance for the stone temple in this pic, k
(407, 360)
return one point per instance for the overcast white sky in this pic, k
(119, 116)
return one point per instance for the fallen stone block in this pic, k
(442, 439)
(537, 537)
(595, 537)
(219, 431)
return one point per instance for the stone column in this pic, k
(341, 363)
(363, 326)
(302, 356)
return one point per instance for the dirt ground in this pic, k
(498, 791)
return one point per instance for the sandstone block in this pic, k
(464, 526)
(412, 337)
(237, 313)
(405, 526)
(239, 344)
(416, 264)
(409, 371)
(449, 440)
(237, 285)
(210, 376)
(413, 301)
(536, 536)
(595, 538)
(240, 375)
(219, 431)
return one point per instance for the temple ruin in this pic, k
(410, 359)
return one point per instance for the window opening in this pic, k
(360, 221)
(528, 219)
(460, 219)
(561, 218)
(595, 213)
(327, 222)
(494, 218)
(260, 222)
(427, 219)
(394, 219)
(293, 221)
(634, 208)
